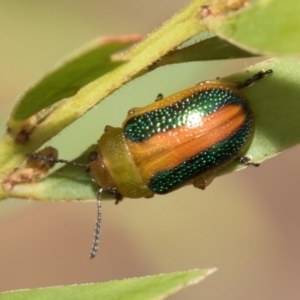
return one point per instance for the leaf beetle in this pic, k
(186, 138)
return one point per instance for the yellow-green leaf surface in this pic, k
(261, 26)
(73, 73)
(145, 288)
(65, 80)
(275, 101)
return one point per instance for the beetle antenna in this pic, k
(256, 77)
(55, 160)
(98, 225)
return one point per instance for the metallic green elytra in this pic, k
(186, 138)
(195, 131)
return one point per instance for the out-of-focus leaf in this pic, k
(261, 26)
(77, 70)
(64, 81)
(144, 288)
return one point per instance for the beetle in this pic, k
(186, 138)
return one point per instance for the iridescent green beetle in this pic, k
(186, 138)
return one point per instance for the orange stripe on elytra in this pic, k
(169, 149)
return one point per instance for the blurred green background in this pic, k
(246, 223)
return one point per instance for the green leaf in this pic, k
(145, 288)
(66, 79)
(263, 26)
(275, 102)
(80, 68)
(67, 183)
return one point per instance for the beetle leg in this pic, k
(203, 180)
(108, 128)
(247, 161)
(118, 196)
(159, 97)
(258, 76)
(149, 196)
